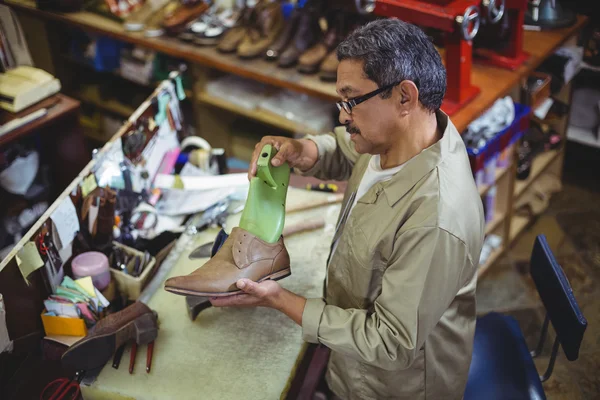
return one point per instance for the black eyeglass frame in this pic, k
(351, 103)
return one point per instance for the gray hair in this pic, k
(393, 51)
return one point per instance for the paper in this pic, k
(542, 110)
(29, 260)
(92, 217)
(88, 185)
(66, 340)
(190, 169)
(5, 343)
(61, 309)
(204, 182)
(103, 302)
(180, 202)
(87, 285)
(66, 222)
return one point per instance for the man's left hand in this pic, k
(263, 294)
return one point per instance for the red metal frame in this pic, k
(459, 52)
(513, 56)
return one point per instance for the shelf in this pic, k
(493, 224)
(500, 173)
(150, 86)
(583, 136)
(264, 116)
(91, 95)
(517, 225)
(483, 269)
(540, 164)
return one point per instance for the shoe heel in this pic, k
(146, 328)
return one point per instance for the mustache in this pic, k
(352, 129)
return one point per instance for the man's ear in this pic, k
(409, 96)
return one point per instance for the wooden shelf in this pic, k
(264, 116)
(493, 82)
(150, 86)
(91, 95)
(539, 165)
(483, 269)
(500, 173)
(517, 225)
(494, 223)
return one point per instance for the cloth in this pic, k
(17, 45)
(373, 174)
(399, 308)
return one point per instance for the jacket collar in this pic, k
(418, 166)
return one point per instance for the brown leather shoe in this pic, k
(233, 37)
(243, 255)
(329, 67)
(136, 322)
(177, 20)
(264, 28)
(286, 36)
(154, 23)
(311, 59)
(308, 34)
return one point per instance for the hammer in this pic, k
(196, 304)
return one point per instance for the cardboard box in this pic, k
(63, 326)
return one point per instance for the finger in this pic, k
(250, 287)
(283, 154)
(256, 154)
(237, 300)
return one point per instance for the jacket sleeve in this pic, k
(337, 156)
(425, 273)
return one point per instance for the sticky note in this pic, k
(29, 260)
(88, 185)
(66, 222)
(87, 285)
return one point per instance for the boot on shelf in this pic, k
(263, 30)
(308, 34)
(310, 61)
(234, 36)
(283, 41)
(184, 14)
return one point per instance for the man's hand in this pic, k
(264, 294)
(302, 154)
(253, 294)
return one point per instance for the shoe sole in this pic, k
(284, 273)
(97, 351)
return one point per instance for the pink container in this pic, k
(92, 264)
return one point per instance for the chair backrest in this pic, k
(558, 298)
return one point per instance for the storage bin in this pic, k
(129, 285)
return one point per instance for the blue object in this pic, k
(502, 366)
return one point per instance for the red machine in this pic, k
(460, 19)
(513, 55)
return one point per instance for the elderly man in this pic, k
(399, 310)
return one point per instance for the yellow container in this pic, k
(63, 326)
(131, 286)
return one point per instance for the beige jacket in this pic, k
(399, 308)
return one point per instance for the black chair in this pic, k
(502, 367)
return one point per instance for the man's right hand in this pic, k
(301, 154)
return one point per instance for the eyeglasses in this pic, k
(351, 103)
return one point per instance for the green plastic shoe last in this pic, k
(264, 213)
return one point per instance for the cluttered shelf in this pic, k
(493, 82)
(501, 172)
(91, 94)
(539, 165)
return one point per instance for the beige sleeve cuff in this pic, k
(311, 319)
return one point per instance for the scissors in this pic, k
(63, 389)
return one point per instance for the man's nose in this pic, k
(345, 118)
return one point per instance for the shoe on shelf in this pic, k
(153, 26)
(136, 22)
(217, 27)
(242, 255)
(136, 322)
(328, 70)
(234, 36)
(308, 34)
(185, 13)
(286, 36)
(263, 30)
(310, 61)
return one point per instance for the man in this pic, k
(399, 310)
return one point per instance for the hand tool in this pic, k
(63, 389)
(323, 187)
(117, 357)
(197, 304)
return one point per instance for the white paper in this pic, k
(163, 141)
(196, 183)
(61, 309)
(542, 110)
(190, 169)
(101, 298)
(92, 216)
(66, 222)
(180, 202)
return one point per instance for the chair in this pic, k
(502, 367)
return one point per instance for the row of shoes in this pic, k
(157, 17)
